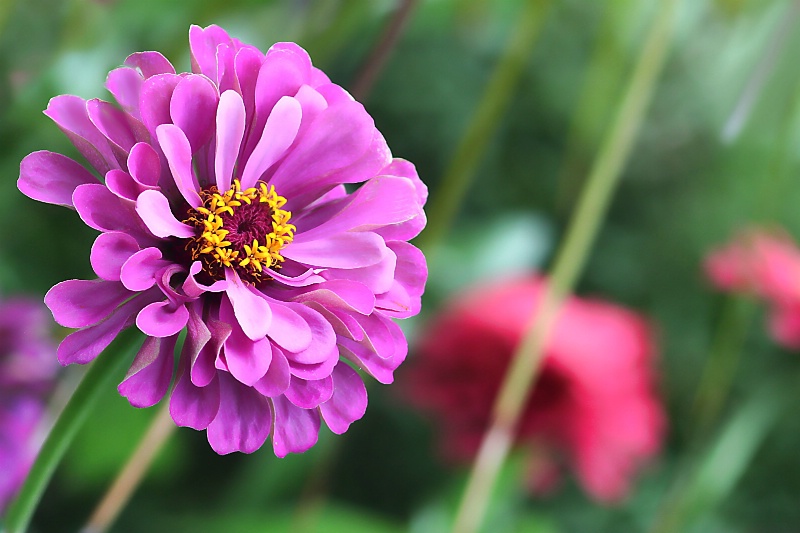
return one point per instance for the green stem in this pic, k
(77, 410)
(491, 109)
(591, 209)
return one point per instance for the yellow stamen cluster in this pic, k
(214, 249)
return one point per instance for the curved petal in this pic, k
(278, 135)
(51, 178)
(349, 400)
(150, 63)
(230, 131)
(109, 253)
(343, 250)
(78, 303)
(253, 313)
(154, 210)
(178, 152)
(323, 339)
(162, 319)
(192, 107)
(296, 429)
(192, 406)
(125, 84)
(150, 374)
(277, 378)
(140, 271)
(244, 419)
(309, 394)
(144, 165)
(288, 328)
(102, 210)
(248, 360)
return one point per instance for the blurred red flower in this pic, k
(765, 263)
(594, 405)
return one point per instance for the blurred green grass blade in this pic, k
(97, 378)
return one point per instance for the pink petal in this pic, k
(154, 100)
(349, 400)
(323, 339)
(77, 303)
(296, 430)
(230, 130)
(193, 107)
(277, 378)
(150, 374)
(115, 125)
(150, 63)
(154, 210)
(343, 250)
(309, 394)
(192, 406)
(193, 289)
(102, 210)
(179, 157)
(69, 113)
(244, 419)
(288, 328)
(139, 272)
(125, 84)
(51, 178)
(109, 253)
(252, 312)
(144, 165)
(162, 319)
(278, 135)
(204, 43)
(122, 185)
(342, 294)
(247, 360)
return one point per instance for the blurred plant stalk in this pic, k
(569, 263)
(120, 492)
(78, 408)
(469, 153)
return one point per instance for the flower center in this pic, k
(240, 229)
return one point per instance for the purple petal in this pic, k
(246, 65)
(154, 210)
(154, 100)
(122, 185)
(204, 43)
(151, 372)
(192, 406)
(193, 107)
(84, 345)
(150, 63)
(247, 360)
(102, 210)
(404, 299)
(379, 202)
(69, 113)
(140, 271)
(78, 303)
(162, 319)
(277, 378)
(296, 430)
(193, 289)
(288, 328)
(252, 312)
(178, 152)
(114, 125)
(203, 367)
(312, 103)
(379, 277)
(144, 165)
(51, 178)
(315, 371)
(309, 394)
(323, 339)
(343, 250)
(125, 84)
(244, 419)
(349, 400)
(326, 147)
(278, 135)
(342, 294)
(309, 277)
(109, 253)
(230, 131)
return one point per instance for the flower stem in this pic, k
(382, 50)
(77, 410)
(583, 228)
(129, 477)
(484, 122)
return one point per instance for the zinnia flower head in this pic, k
(594, 405)
(765, 263)
(254, 204)
(27, 372)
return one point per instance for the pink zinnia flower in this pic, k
(767, 264)
(224, 211)
(594, 404)
(27, 372)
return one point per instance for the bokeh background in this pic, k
(718, 151)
